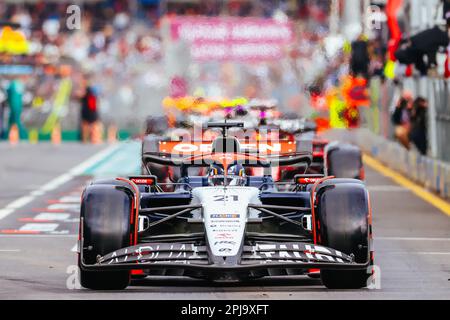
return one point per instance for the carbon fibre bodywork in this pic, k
(209, 228)
(278, 241)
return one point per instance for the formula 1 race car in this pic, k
(341, 160)
(225, 225)
(264, 123)
(332, 158)
(338, 159)
(183, 141)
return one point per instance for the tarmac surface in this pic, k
(39, 208)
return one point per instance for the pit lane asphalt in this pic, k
(412, 242)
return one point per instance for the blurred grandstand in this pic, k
(120, 50)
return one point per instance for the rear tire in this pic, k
(343, 216)
(106, 211)
(344, 161)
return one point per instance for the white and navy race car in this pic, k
(225, 225)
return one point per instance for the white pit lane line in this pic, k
(41, 227)
(52, 216)
(411, 239)
(65, 206)
(70, 199)
(421, 253)
(434, 253)
(58, 181)
(419, 239)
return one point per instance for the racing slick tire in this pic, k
(343, 219)
(344, 161)
(105, 213)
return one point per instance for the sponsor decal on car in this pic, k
(257, 254)
(193, 147)
(225, 216)
(223, 235)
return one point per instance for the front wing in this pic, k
(191, 257)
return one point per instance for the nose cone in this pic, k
(225, 217)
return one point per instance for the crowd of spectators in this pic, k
(116, 36)
(295, 9)
(105, 27)
(112, 36)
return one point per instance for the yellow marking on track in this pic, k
(418, 190)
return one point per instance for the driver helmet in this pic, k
(235, 175)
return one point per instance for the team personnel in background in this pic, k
(360, 60)
(418, 134)
(401, 119)
(15, 103)
(90, 120)
(2, 113)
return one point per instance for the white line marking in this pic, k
(10, 250)
(20, 202)
(58, 181)
(70, 199)
(64, 206)
(435, 253)
(430, 253)
(75, 248)
(42, 227)
(37, 193)
(52, 216)
(411, 239)
(15, 205)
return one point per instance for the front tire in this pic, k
(333, 279)
(343, 217)
(105, 213)
(105, 280)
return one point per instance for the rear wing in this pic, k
(244, 159)
(262, 148)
